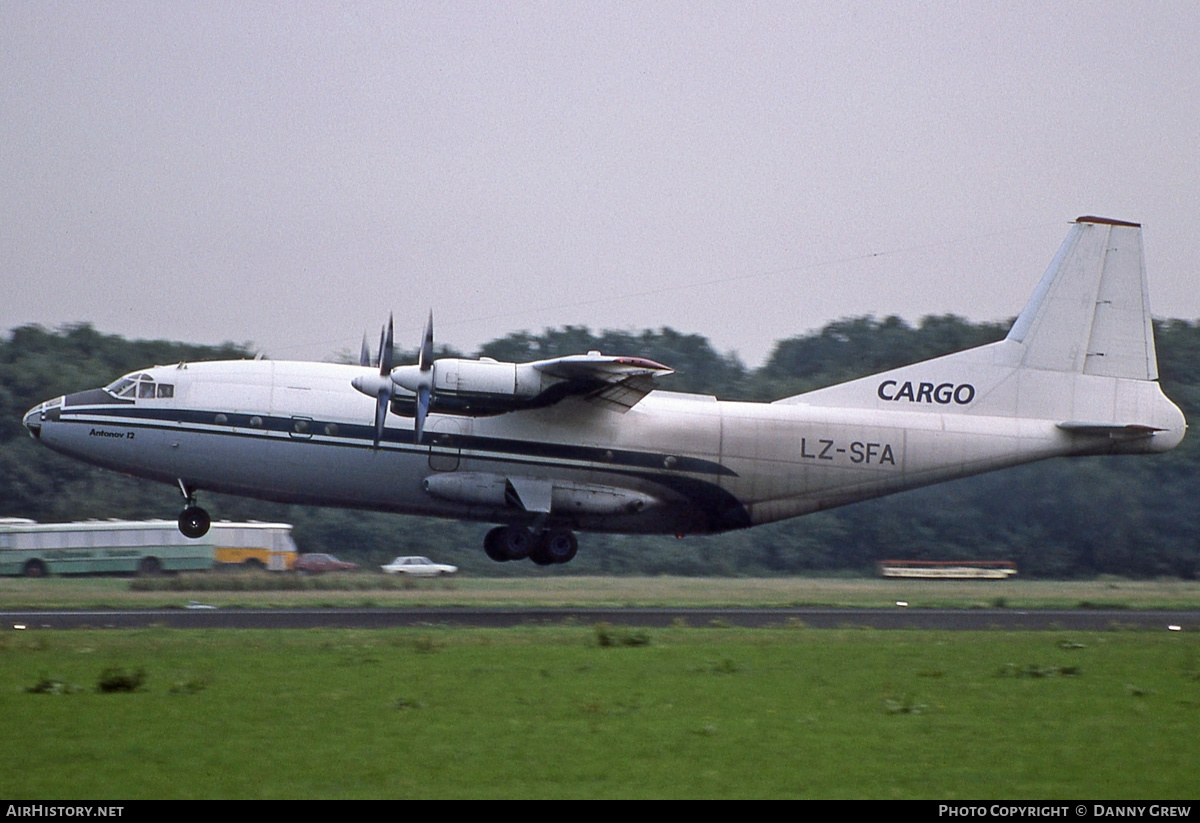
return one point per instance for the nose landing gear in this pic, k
(193, 521)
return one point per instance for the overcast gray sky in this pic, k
(289, 173)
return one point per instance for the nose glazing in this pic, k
(39, 414)
(33, 420)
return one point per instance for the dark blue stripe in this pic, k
(159, 418)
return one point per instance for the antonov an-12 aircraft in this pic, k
(585, 443)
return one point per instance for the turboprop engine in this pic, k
(453, 385)
(485, 385)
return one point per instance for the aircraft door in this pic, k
(445, 445)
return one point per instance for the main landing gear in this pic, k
(546, 547)
(193, 521)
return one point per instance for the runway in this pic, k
(203, 617)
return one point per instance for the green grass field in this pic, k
(547, 590)
(598, 712)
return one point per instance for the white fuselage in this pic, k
(674, 463)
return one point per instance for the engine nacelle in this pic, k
(454, 385)
(481, 385)
(455, 376)
(566, 497)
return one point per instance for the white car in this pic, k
(418, 567)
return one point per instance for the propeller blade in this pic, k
(425, 355)
(422, 411)
(381, 408)
(364, 354)
(386, 351)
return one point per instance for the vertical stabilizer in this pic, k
(1090, 313)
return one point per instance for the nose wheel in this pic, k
(193, 521)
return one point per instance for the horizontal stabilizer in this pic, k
(1111, 429)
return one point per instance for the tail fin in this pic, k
(1080, 355)
(1090, 313)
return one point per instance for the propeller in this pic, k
(419, 379)
(378, 386)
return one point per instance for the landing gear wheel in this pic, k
(517, 542)
(508, 543)
(540, 557)
(558, 545)
(492, 546)
(194, 522)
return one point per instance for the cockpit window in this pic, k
(133, 386)
(125, 387)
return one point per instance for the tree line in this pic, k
(1132, 516)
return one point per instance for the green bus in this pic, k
(145, 547)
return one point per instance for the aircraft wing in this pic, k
(616, 382)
